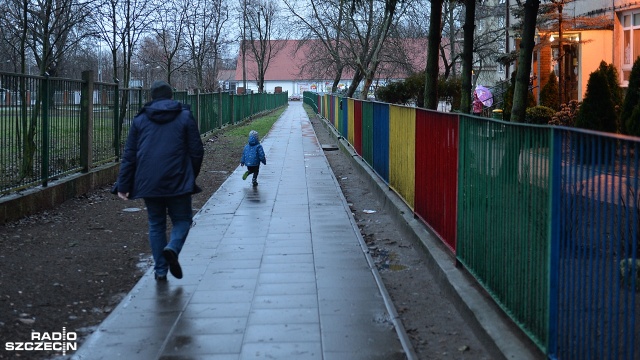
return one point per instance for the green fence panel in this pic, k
(227, 110)
(103, 134)
(367, 131)
(503, 217)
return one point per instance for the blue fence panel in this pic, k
(598, 297)
(344, 117)
(381, 140)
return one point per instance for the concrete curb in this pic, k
(502, 338)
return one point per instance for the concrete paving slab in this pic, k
(275, 271)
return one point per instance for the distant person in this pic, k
(477, 105)
(161, 161)
(252, 156)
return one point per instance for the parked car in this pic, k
(295, 97)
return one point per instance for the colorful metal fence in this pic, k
(547, 219)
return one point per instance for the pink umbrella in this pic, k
(484, 95)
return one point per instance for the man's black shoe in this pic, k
(174, 265)
(160, 278)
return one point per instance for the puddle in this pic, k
(397, 267)
(144, 262)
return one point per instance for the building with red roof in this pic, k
(299, 66)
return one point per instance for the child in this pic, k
(252, 156)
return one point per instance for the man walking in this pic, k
(161, 161)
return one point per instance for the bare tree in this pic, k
(323, 22)
(467, 54)
(14, 20)
(489, 36)
(263, 27)
(527, 43)
(121, 25)
(205, 25)
(368, 27)
(449, 50)
(169, 34)
(48, 29)
(432, 69)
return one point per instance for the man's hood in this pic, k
(163, 110)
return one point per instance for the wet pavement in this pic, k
(277, 271)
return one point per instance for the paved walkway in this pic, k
(275, 272)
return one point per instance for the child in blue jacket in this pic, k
(252, 156)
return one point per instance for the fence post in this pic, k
(117, 126)
(232, 109)
(86, 121)
(44, 96)
(219, 109)
(198, 113)
(555, 175)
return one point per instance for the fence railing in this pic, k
(52, 127)
(545, 218)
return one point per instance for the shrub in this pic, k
(617, 94)
(393, 93)
(402, 92)
(567, 114)
(549, 93)
(631, 124)
(540, 115)
(597, 111)
(415, 86)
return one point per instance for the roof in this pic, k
(302, 60)
(226, 74)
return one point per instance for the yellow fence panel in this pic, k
(402, 145)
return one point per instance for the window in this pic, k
(630, 49)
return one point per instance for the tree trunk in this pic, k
(521, 91)
(452, 47)
(432, 69)
(357, 77)
(467, 55)
(336, 80)
(365, 88)
(561, 86)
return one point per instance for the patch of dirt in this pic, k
(69, 267)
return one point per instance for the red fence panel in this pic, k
(437, 173)
(357, 126)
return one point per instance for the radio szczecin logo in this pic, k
(46, 341)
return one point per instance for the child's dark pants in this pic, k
(254, 170)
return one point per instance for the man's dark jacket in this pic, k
(163, 153)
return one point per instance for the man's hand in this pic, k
(123, 196)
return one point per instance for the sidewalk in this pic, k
(277, 271)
